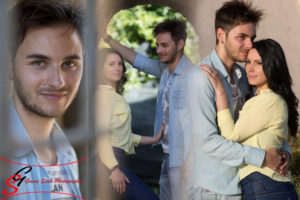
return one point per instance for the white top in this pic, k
(59, 183)
(235, 95)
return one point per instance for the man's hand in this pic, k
(283, 170)
(119, 180)
(273, 159)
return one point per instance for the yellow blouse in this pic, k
(113, 119)
(262, 123)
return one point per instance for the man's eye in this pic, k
(69, 64)
(38, 63)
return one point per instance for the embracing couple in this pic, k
(234, 128)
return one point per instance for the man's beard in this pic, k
(233, 57)
(35, 108)
(172, 58)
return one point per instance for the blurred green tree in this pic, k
(133, 28)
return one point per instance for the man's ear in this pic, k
(221, 35)
(180, 44)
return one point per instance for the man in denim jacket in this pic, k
(171, 69)
(46, 57)
(211, 161)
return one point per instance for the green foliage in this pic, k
(295, 169)
(133, 28)
(295, 165)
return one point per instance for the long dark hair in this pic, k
(102, 55)
(279, 80)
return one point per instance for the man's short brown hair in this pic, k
(234, 13)
(176, 27)
(28, 14)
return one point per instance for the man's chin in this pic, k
(50, 114)
(47, 113)
(165, 61)
(241, 59)
(54, 113)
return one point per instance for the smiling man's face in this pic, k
(47, 70)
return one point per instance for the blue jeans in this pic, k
(164, 185)
(135, 190)
(170, 181)
(198, 193)
(260, 187)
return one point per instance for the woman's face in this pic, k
(113, 68)
(255, 72)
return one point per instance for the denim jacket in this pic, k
(26, 155)
(176, 94)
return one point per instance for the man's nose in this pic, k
(248, 43)
(56, 77)
(158, 49)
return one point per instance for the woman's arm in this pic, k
(153, 140)
(119, 180)
(107, 157)
(225, 121)
(266, 111)
(214, 78)
(104, 110)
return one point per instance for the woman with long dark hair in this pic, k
(113, 119)
(265, 120)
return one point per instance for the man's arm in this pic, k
(201, 102)
(286, 147)
(287, 158)
(128, 54)
(138, 61)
